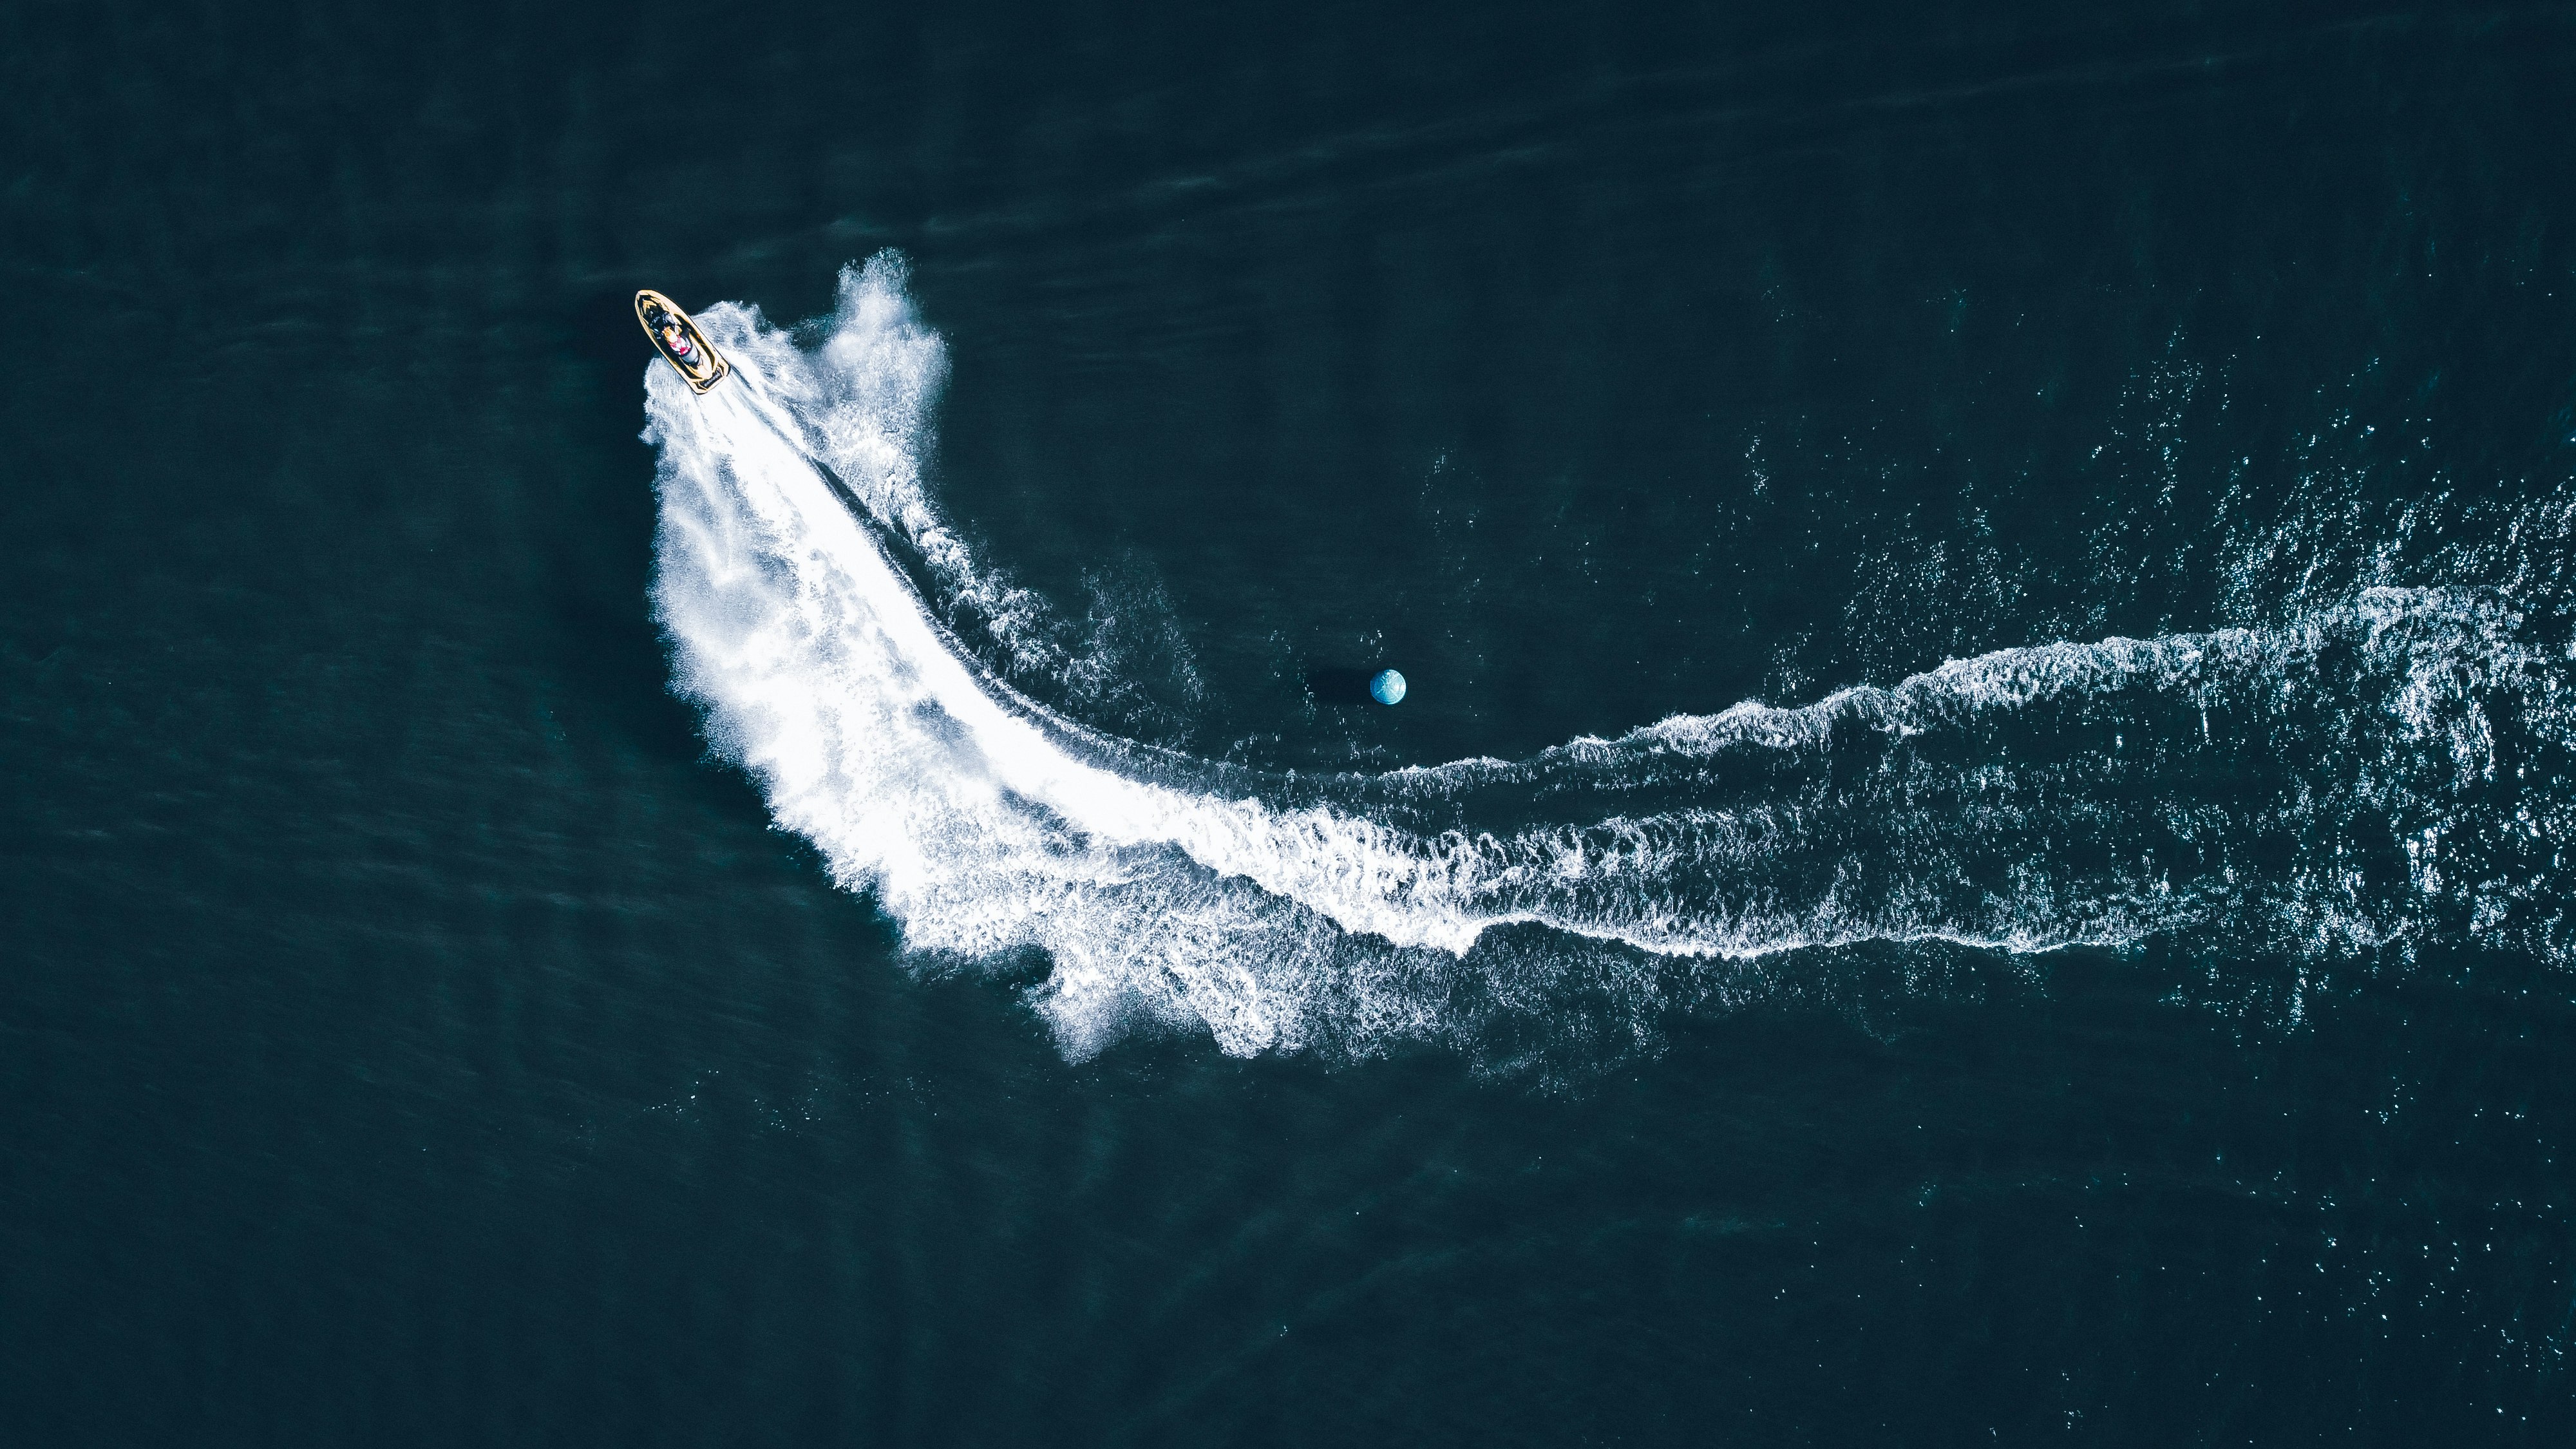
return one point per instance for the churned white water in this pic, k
(2356, 777)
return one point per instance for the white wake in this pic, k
(2309, 784)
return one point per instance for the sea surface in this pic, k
(1982, 846)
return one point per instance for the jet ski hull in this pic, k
(679, 341)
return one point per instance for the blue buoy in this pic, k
(1386, 687)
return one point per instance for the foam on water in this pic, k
(2371, 773)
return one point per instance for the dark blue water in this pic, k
(1977, 850)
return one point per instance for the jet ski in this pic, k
(679, 341)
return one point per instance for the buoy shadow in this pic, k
(1338, 684)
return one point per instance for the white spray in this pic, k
(986, 825)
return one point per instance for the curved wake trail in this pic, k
(2374, 774)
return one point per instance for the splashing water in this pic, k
(2372, 774)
